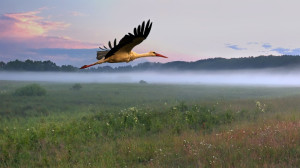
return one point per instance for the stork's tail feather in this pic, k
(101, 54)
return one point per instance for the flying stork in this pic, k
(122, 52)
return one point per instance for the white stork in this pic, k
(122, 52)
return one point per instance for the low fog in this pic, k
(250, 77)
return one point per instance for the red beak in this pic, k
(159, 55)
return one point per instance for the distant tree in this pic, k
(123, 68)
(49, 66)
(142, 82)
(105, 69)
(68, 68)
(29, 65)
(2, 65)
(76, 86)
(14, 65)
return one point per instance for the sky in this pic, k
(69, 32)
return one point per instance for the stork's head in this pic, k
(152, 53)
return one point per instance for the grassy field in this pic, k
(149, 125)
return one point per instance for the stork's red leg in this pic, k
(86, 66)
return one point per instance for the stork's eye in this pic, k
(154, 52)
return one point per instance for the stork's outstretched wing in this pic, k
(130, 40)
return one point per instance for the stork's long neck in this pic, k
(135, 55)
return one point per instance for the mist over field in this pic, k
(242, 77)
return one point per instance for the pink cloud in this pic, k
(27, 24)
(31, 30)
(23, 35)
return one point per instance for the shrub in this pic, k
(142, 82)
(76, 86)
(31, 90)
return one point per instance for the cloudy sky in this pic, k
(69, 32)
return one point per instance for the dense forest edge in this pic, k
(260, 62)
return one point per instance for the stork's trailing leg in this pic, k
(98, 62)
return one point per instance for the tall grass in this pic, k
(133, 126)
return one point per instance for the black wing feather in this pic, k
(148, 23)
(139, 29)
(147, 31)
(109, 44)
(139, 34)
(143, 26)
(134, 31)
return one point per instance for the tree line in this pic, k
(30, 65)
(260, 62)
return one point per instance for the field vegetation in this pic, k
(134, 125)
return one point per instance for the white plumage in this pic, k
(121, 52)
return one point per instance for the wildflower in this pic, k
(258, 105)
(135, 119)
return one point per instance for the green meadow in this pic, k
(148, 125)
